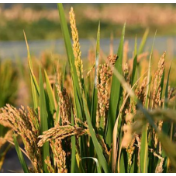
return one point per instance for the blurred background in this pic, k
(41, 24)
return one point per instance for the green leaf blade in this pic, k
(44, 119)
(97, 145)
(50, 93)
(116, 87)
(143, 41)
(144, 138)
(20, 155)
(73, 148)
(94, 95)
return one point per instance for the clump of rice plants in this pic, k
(8, 73)
(114, 119)
(8, 94)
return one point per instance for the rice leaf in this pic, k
(34, 94)
(166, 125)
(115, 97)
(96, 161)
(20, 155)
(57, 115)
(144, 151)
(143, 42)
(73, 148)
(34, 84)
(30, 65)
(123, 163)
(94, 95)
(135, 47)
(50, 94)
(144, 140)
(97, 145)
(167, 86)
(133, 80)
(44, 119)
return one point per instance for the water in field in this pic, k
(17, 49)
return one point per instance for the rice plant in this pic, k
(8, 94)
(116, 118)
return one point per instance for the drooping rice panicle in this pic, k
(49, 165)
(64, 105)
(61, 132)
(59, 156)
(25, 124)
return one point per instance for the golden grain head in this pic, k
(156, 91)
(76, 47)
(61, 132)
(141, 90)
(25, 124)
(49, 165)
(59, 156)
(64, 105)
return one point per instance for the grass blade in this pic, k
(44, 118)
(166, 125)
(30, 64)
(97, 146)
(116, 87)
(34, 94)
(94, 96)
(167, 87)
(20, 155)
(50, 93)
(144, 151)
(123, 163)
(143, 42)
(144, 139)
(34, 84)
(73, 148)
(49, 101)
(133, 80)
(96, 161)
